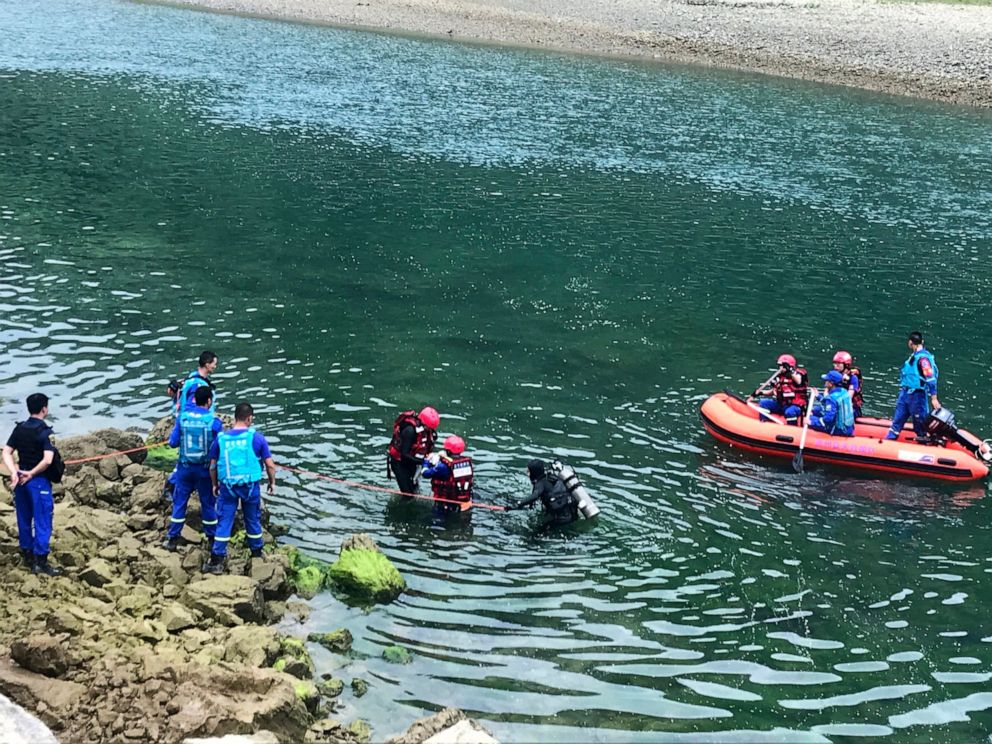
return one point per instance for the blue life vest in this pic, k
(909, 375)
(237, 462)
(196, 434)
(185, 398)
(844, 423)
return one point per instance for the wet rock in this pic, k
(306, 691)
(294, 659)
(117, 440)
(361, 729)
(230, 600)
(359, 541)
(367, 575)
(299, 610)
(449, 725)
(252, 645)
(397, 655)
(161, 430)
(338, 641)
(330, 688)
(359, 687)
(98, 572)
(43, 654)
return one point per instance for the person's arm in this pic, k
(441, 471)
(929, 380)
(408, 436)
(213, 477)
(535, 495)
(829, 416)
(175, 436)
(270, 469)
(8, 461)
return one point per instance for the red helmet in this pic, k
(430, 418)
(842, 357)
(454, 445)
(787, 359)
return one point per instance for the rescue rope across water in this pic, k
(300, 471)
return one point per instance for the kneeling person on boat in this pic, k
(789, 391)
(835, 413)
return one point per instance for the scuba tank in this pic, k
(578, 492)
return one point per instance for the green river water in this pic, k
(566, 256)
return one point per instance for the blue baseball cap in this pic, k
(833, 376)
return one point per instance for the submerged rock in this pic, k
(359, 687)
(367, 574)
(448, 726)
(330, 688)
(397, 655)
(338, 641)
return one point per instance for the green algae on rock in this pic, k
(367, 574)
(306, 575)
(361, 729)
(359, 687)
(330, 688)
(397, 655)
(338, 641)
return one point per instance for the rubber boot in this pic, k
(28, 557)
(215, 565)
(171, 544)
(256, 552)
(41, 566)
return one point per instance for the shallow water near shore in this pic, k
(566, 256)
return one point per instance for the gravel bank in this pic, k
(929, 50)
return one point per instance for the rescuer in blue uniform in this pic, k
(236, 458)
(199, 377)
(917, 387)
(194, 433)
(452, 475)
(834, 414)
(29, 481)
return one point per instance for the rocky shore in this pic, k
(928, 50)
(133, 644)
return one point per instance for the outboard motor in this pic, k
(578, 492)
(941, 425)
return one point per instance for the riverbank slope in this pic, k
(928, 50)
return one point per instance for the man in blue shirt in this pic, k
(917, 386)
(236, 458)
(199, 377)
(29, 481)
(194, 433)
(835, 413)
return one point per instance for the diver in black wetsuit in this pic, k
(550, 490)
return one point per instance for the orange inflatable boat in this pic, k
(733, 420)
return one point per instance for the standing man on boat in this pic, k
(236, 458)
(413, 439)
(789, 391)
(29, 480)
(835, 412)
(917, 389)
(851, 379)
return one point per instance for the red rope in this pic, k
(114, 454)
(299, 471)
(369, 487)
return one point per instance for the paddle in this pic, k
(765, 384)
(797, 461)
(766, 413)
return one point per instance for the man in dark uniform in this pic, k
(551, 492)
(32, 488)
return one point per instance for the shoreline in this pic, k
(133, 642)
(931, 51)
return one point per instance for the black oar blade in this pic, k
(797, 462)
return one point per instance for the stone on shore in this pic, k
(42, 654)
(230, 600)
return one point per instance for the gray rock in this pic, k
(98, 572)
(175, 617)
(230, 600)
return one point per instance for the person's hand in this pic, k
(271, 489)
(433, 459)
(23, 477)
(217, 490)
(934, 403)
(13, 481)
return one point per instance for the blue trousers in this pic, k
(187, 479)
(250, 496)
(910, 404)
(791, 413)
(34, 508)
